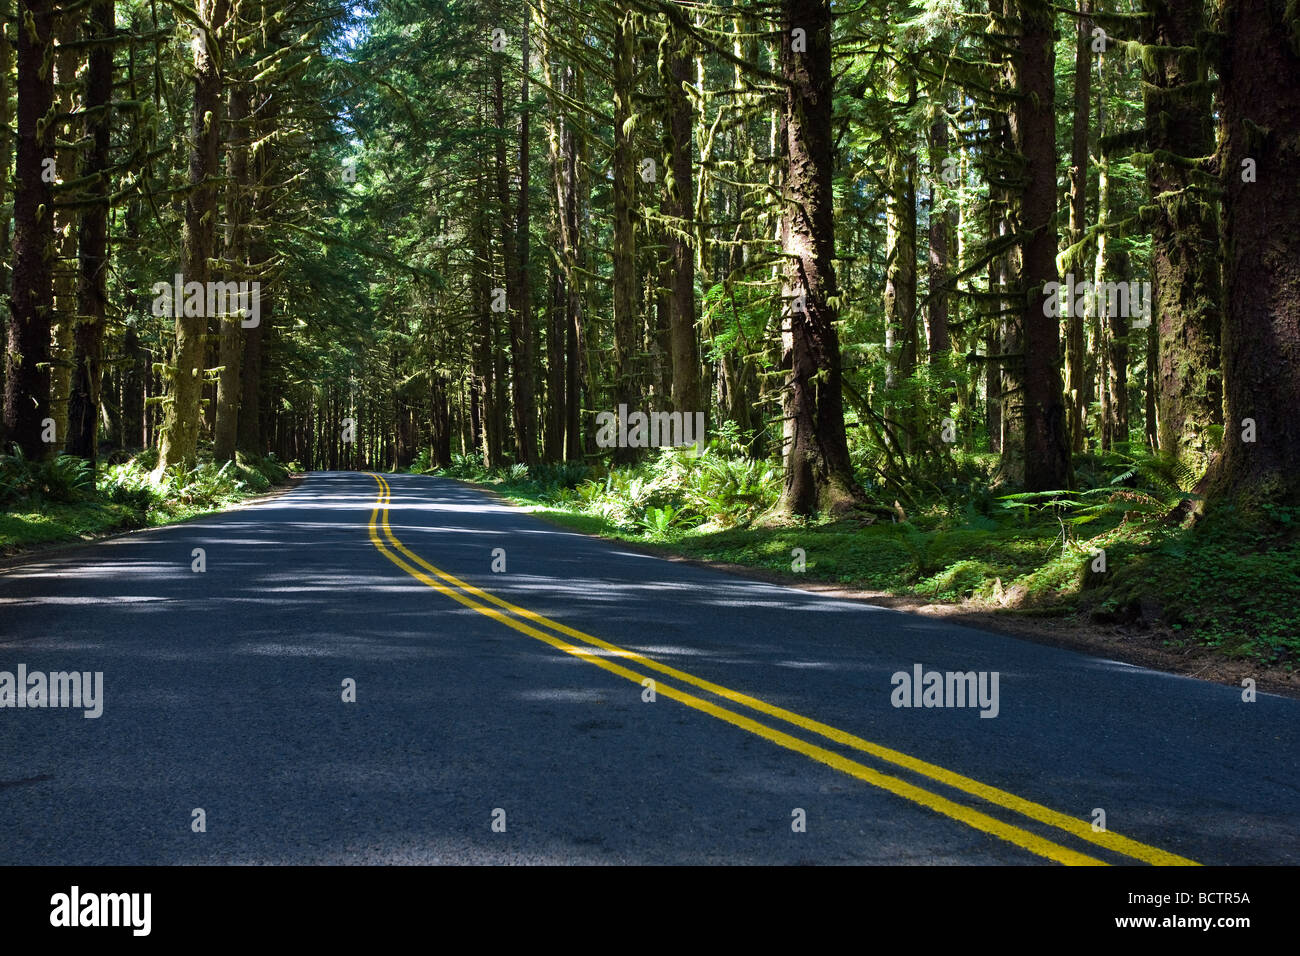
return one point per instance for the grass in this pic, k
(46, 523)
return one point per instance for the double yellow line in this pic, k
(596, 651)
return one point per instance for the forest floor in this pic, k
(1218, 603)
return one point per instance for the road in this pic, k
(504, 716)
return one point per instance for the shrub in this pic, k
(128, 484)
(422, 463)
(65, 478)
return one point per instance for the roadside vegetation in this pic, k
(61, 499)
(1233, 586)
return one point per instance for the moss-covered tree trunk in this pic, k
(1075, 388)
(1115, 334)
(818, 474)
(179, 445)
(1186, 286)
(686, 392)
(1260, 156)
(901, 338)
(92, 304)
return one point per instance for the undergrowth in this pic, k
(1104, 551)
(62, 498)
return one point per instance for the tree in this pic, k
(92, 294)
(27, 374)
(680, 131)
(181, 432)
(1033, 131)
(1075, 389)
(626, 313)
(818, 473)
(1186, 292)
(1260, 153)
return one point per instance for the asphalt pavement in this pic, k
(503, 714)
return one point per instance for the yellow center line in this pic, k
(1002, 798)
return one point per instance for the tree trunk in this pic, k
(900, 281)
(818, 473)
(489, 446)
(1260, 110)
(521, 316)
(236, 252)
(440, 420)
(27, 373)
(1106, 323)
(686, 394)
(1033, 131)
(626, 321)
(938, 339)
(1007, 341)
(1186, 286)
(83, 411)
(66, 217)
(900, 257)
(6, 155)
(1075, 390)
(505, 236)
(939, 344)
(253, 431)
(1116, 365)
(179, 445)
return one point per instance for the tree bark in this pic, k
(253, 428)
(27, 373)
(179, 446)
(1033, 131)
(225, 434)
(626, 318)
(66, 218)
(6, 155)
(901, 336)
(521, 316)
(939, 344)
(818, 473)
(687, 396)
(1075, 390)
(87, 374)
(1260, 110)
(1186, 285)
